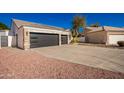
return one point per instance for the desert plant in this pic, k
(120, 43)
(77, 23)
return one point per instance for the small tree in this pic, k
(3, 26)
(77, 23)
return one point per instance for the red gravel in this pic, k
(15, 63)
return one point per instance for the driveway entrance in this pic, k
(105, 58)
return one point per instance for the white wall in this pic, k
(13, 32)
(39, 30)
(20, 38)
(14, 41)
(10, 41)
(81, 39)
(4, 32)
(14, 29)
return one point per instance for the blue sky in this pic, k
(65, 19)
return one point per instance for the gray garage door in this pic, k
(4, 41)
(64, 39)
(43, 40)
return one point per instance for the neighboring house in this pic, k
(106, 35)
(5, 39)
(30, 35)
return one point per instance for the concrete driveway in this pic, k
(105, 58)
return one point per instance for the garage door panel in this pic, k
(64, 39)
(41, 40)
(113, 39)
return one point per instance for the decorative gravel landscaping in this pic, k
(20, 64)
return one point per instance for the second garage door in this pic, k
(113, 39)
(42, 40)
(64, 39)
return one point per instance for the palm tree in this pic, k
(77, 23)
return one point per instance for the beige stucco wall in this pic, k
(26, 39)
(96, 37)
(23, 38)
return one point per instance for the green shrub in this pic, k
(121, 43)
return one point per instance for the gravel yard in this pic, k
(20, 64)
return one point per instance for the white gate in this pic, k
(5, 41)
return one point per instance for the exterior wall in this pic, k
(39, 30)
(102, 36)
(96, 37)
(69, 38)
(13, 32)
(10, 41)
(60, 40)
(13, 43)
(81, 39)
(14, 29)
(85, 34)
(26, 38)
(20, 38)
(4, 32)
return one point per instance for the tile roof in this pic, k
(105, 28)
(20, 23)
(94, 28)
(109, 28)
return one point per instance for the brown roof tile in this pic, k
(20, 23)
(106, 28)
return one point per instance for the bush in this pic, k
(75, 40)
(121, 43)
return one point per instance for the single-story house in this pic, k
(107, 35)
(5, 39)
(31, 35)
